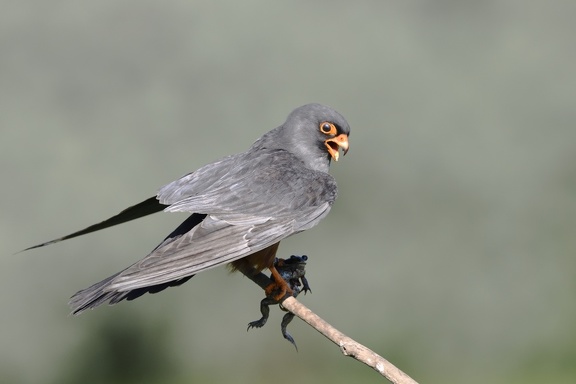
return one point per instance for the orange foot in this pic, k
(279, 288)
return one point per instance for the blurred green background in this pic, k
(450, 251)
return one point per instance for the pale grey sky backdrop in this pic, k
(451, 249)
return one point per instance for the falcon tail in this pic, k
(100, 292)
(97, 294)
(145, 208)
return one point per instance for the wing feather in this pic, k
(253, 203)
(208, 245)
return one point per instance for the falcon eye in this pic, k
(328, 128)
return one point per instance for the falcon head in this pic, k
(315, 133)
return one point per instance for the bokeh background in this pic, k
(451, 249)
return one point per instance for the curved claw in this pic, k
(278, 289)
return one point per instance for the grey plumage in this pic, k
(241, 204)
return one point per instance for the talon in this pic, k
(277, 290)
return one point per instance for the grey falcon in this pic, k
(241, 207)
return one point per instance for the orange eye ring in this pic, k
(328, 128)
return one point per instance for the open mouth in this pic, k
(334, 144)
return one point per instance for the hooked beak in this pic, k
(334, 144)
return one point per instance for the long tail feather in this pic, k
(147, 207)
(100, 293)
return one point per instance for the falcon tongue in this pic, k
(334, 144)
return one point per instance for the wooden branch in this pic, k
(348, 346)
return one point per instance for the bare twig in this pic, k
(348, 346)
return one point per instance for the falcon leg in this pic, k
(279, 288)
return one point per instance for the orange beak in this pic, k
(334, 144)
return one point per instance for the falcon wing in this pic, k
(208, 175)
(255, 204)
